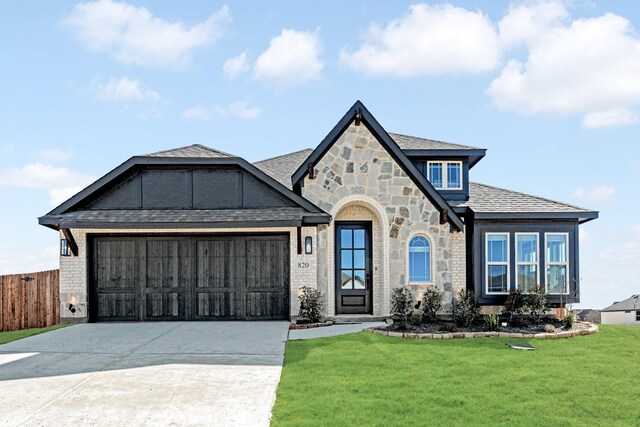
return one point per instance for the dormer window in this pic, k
(445, 175)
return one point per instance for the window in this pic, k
(557, 261)
(445, 175)
(526, 261)
(419, 260)
(497, 256)
(637, 315)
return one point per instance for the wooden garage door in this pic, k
(189, 278)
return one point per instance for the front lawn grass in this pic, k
(367, 379)
(6, 337)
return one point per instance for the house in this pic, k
(195, 233)
(588, 315)
(625, 312)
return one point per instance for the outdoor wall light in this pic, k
(65, 249)
(308, 245)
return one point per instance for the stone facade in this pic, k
(357, 179)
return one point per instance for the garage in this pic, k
(196, 277)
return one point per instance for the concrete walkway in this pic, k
(134, 374)
(330, 331)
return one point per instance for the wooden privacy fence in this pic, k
(29, 300)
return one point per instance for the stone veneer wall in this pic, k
(73, 270)
(358, 179)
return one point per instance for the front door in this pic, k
(353, 267)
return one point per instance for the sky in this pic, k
(550, 88)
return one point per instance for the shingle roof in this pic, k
(282, 167)
(632, 303)
(407, 142)
(487, 199)
(194, 150)
(174, 216)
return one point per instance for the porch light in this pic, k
(65, 249)
(308, 245)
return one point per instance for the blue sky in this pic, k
(550, 88)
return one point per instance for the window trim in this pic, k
(445, 174)
(487, 263)
(537, 263)
(417, 283)
(548, 263)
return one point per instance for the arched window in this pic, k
(419, 260)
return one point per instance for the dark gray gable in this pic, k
(360, 113)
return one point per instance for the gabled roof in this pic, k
(407, 142)
(359, 112)
(193, 151)
(632, 303)
(282, 167)
(490, 202)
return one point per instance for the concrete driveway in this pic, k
(133, 374)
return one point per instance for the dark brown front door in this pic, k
(353, 267)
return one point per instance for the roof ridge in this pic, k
(282, 155)
(433, 140)
(204, 147)
(532, 195)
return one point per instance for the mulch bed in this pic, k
(446, 327)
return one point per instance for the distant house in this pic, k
(625, 312)
(588, 315)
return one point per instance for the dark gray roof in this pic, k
(632, 303)
(115, 217)
(407, 142)
(194, 150)
(487, 199)
(282, 167)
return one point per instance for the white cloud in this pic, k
(17, 259)
(236, 109)
(132, 35)
(598, 194)
(614, 117)
(291, 59)
(54, 155)
(59, 181)
(237, 65)
(589, 66)
(428, 40)
(124, 90)
(525, 23)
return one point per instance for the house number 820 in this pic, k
(303, 265)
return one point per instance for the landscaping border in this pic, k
(450, 335)
(310, 325)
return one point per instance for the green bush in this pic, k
(311, 304)
(514, 306)
(417, 318)
(401, 305)
(569, 319)
(491, 320)
(537, 301)
(431, 304)
(465, 309)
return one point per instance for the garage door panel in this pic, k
(265, 305)
(217, 260)
(117, 306)
(217, 305)
(166, 305)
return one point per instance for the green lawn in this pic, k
(366, 379)
(6, 337)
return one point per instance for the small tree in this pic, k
(465, 309)
(537, 301)
(431, 304)
(401, 305)
(311, 304)
(515, 305)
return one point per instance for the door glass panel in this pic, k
(346, 261)
(345, 238)
(358, 259)
(358, 238)
(359, 279)
(347, 279)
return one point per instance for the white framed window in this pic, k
(445, 175)
(419, 260)
(497, 263)
(557, 262)
(527, 272)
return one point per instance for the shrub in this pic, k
(465, 309)
(569, 319)
(491, 320)
(431, 304)
(514, 306)
(401, 304)
(549, 328)
(537, 301)
(417, 317)
(311, 304)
